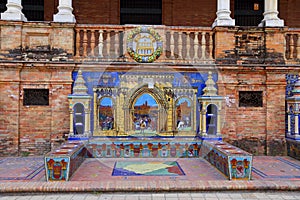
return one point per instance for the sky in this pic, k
(146, 97)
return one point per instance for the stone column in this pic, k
(219, 123)
(71, 133)
(271, 15)
(223, 14)
(64, 12)
(289, 123)
(87, 127)
(14, 11)
(204, 123)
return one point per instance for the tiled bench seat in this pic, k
(230, 160)
(61, 163)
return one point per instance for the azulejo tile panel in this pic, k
(144, 149)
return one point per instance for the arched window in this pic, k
(211, 119)
(79, 119)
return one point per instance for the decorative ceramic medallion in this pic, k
(144, 44)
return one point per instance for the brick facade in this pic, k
(40, 55)
(259, 130)
(31, 130)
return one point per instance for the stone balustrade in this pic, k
(292, 46)
(109, 43)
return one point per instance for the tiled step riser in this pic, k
(143, 150)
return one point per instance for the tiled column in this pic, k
(223, 14)
(271, 15)
(14, 11)
(64, 12)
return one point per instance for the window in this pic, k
(2, 6)
(211, 119)
(79, 120)
(141, 12)
(36, 97)
(250, 99)
(32, 9)
(248, 12)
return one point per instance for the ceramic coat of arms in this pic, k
(144, 45)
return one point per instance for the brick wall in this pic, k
(258, 130)
(290, 12)
(31, 130)
(28, 130)
(189, 13)
(9, 109)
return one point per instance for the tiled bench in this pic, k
(61, 163)
(230, 160)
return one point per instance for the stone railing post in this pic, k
(14, 11)
(64, 12)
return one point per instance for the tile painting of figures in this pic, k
(184, 114)
(106, 114)
(145, 115)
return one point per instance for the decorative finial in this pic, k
(210, 89)
(79, 85)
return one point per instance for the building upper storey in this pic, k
(156, 12)
(221, 31)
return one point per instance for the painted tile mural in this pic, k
(143, 149)
(138, 103)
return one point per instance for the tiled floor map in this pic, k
(139, 168)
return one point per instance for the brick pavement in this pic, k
(94, 175)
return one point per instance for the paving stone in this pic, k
(65, 197)
(118, 197)
(210, 195)
(40, 197)
(23, 197)
(132, 197)
(198, 198)
(105, 197)
(223, 195)
(92, 197)
(235, 196)
(287, 197)
(145, 197)
(171, 195)
(158, 195)
(261, 196)
(197, 195)
(158, 198)
(184, 195)
(78, 197)
(52, 197)
(211, 198)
